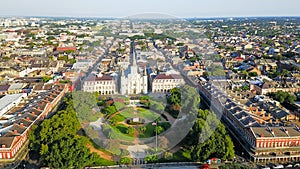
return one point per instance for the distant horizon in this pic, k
(174, 8)
(174, 17)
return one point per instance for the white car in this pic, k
(278, 166)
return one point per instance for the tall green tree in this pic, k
(208, 138)
(56, 141)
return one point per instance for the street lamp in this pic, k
(155, 124)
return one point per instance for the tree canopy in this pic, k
(56, 142)
(208, 138)
(282, 97)
(84, 104)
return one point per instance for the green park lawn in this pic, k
(150, 129)
(117, 134)
(127, 113)
(147, 114)
(118, 118)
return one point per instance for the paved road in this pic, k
(181, 167)
(149, 167)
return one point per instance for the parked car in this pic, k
(278, 166)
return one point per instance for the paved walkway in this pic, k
(137, 151)
(97, 124)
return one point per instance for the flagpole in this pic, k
(156, 137)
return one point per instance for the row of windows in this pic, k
(100, 88)
(141, 85)
(277, 144)
(106, 92)
(164, 86)
(4, 155)
(99, 82)
(168, 80)
(161, 90)
(15, 150)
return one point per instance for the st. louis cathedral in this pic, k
(132, 82)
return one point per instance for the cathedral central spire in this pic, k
(134, 67)
(133, 54)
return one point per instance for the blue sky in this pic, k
(123, 8)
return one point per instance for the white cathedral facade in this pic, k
(131, 81)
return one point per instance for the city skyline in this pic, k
(92, 8)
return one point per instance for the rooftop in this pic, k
(168, 76)
(101, 78)
(9, 99)
(16, 86)
(277, 131)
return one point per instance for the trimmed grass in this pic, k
(126, 130)
(127, 113)
(147, 114)
(122, 128)
(150, 129)
(116, 134)
(118, 118)
(103, 162)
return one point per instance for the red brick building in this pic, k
(276, 143)
(63, 49)
(261, 143)
(14, 135)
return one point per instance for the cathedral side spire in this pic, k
(122, 72)
(145, 71)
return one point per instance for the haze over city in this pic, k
(169, 84)
(177, 8)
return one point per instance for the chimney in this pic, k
(243, 117)
(272, 132)
(39, 108)
(232, 107)
(22, 124)
(27, 118)
(15, 131)
(33, 113)
(262, 135)
(3, 146)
